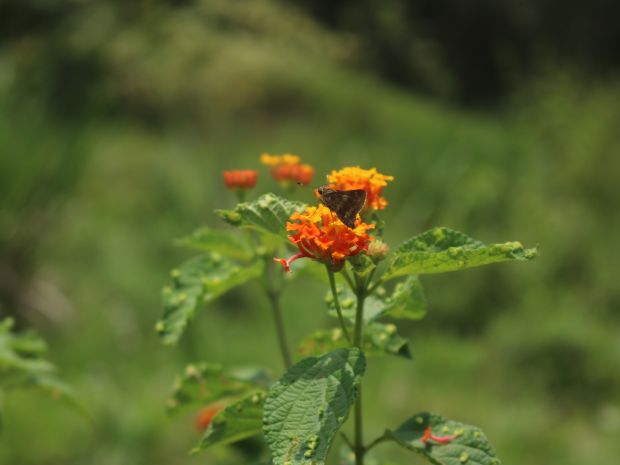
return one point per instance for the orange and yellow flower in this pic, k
(240, 179)
(354, 177)
(320, 235)
(287, 169)
(205, 416)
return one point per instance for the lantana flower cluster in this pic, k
(317, 232)
(371, 181)
(320, 235)
(287, 169)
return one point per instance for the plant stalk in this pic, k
(357, 341)
(332, 285)
(274, 299)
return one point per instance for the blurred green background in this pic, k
(499, 119)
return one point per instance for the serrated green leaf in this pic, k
(470, 446)
(213, 240)
(22, 365)
(268, 213)
(307, 407)
(197, 282)
(373, 306)
(407, 301)
(379, 340)
(239, 420)
(203, 383)
(442, 249)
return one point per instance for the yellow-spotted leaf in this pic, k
(237, 421)
(212, 240)
(442, 249)
(307, 406)
(379, 340)
(407, 301)
(196, 283)
(269, 213)
(203, 383)
(448, 442)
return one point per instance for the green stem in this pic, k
(369, 280)
(347, 441)
(345, 273)
(273, 288)
(374, 287)
(332, 284)
(240, 195)
(379, 440)
(274, 299)
(357, 341)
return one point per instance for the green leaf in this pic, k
(197, 282)
(379, 340)
(442, 249)
(407, 301)
(307, 407)
(268, 213)
(22, 365)
(469, 447)
(239, 420)
(203, 383)
(213, 240)
(373, 306)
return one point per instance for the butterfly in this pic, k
(345, 204)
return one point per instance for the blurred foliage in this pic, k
(474, 51)
(22, 366)
(117, 118)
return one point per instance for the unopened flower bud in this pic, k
(377, 250)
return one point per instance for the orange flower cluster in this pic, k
(240, 179)
(205, 416)
(288, 169)
(320, 235)
(354, 177)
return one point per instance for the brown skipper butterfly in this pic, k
(345, 204)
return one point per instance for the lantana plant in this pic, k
(300, 413)
(23, 366)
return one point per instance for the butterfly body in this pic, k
(345, 204)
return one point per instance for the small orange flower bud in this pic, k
(354, 177)
(205, 416)
(240, 179)
(320, 235)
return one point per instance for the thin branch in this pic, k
(379, 440)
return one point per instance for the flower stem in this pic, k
(345, 273)
(273, 288)
(274, 299)
(240, 195)
(332, 284)
(357, 341)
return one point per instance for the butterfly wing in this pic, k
(346, 204)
